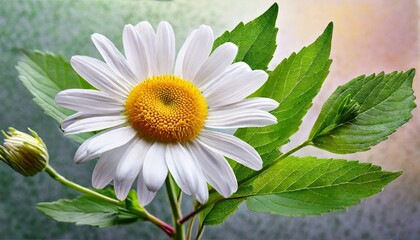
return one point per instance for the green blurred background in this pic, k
(369, 36)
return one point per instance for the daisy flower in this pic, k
(161, 113)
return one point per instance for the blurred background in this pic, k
(369, 36)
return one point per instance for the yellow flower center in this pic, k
(167, 109)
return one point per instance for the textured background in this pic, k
(369, 36)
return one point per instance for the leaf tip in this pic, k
(329, 30)
(271, 13)
(330, 25)
(411, 73)
(395, 175)
(274, 7)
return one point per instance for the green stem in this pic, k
(142, 214)
(197, 210)
(190, 228)
(202, 207)
(175, 207)
(200, 232)
(55, 175)
(283, 156)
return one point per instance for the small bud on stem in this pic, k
(26, 154)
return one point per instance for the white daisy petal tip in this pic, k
(74, 60)
(122, 188)
(165, 24)
(98, 182)
(202, 194)
(81, 157)
(271, 104)
(204, 27)
(145, 198)
(144, 195)
(96, 37)
(260, 74)
(230, 46)
(154, 169)
(256, 165)
(202, 198)
(127, 28)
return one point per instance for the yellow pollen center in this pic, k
(167, 109)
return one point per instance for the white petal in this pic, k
(233, 70)
(113, 57)
(100, 76)
(197, 52)
(144, 195)
(202, 194)
(184, 170)
(129, 167)
(154, 168)
(238, 82)
(94, 124)
(181, 54)
(74, 118)
(232, 147)
(165, 48)
(238, 118)
(230, 131)
(148, 36)
(135, 53)
(259, 103)
(106, 167)
(80, 116)
(216, 64)
(102, 142)
(88, 101)
(216, 169)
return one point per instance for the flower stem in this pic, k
(200, 232)
(55, 175)
(168, 229)
(175, 207)
(190, 228)
(191, 214)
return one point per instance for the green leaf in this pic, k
(377, 105)
(311, 186)
(86, 210)
(217, 213)
(294, 83)
(256, 40)
(46, 74)
(220, 211)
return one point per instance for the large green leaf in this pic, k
(86, 210)
(304, 187)
(364, 112)
(46, 74)
(311, 186)
(256, 40)
(294, 83)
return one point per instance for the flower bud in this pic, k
(26, 154)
